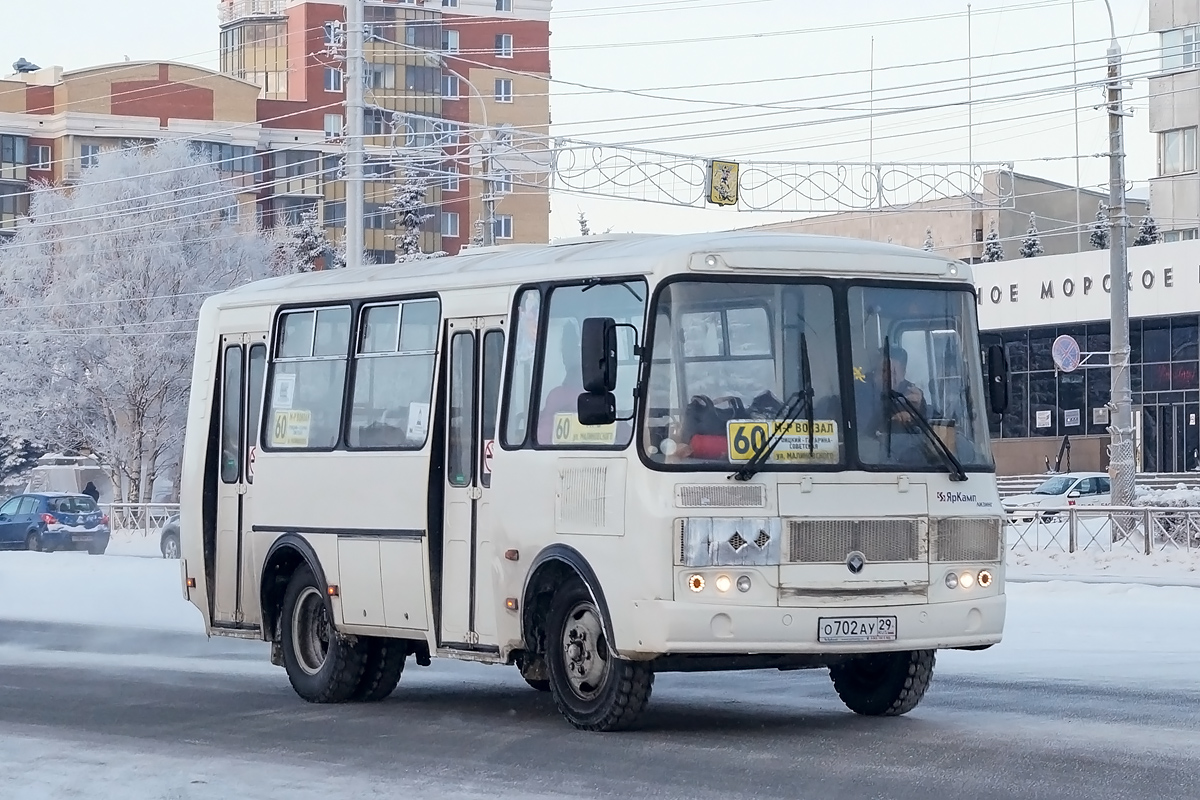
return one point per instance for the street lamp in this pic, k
(1122, 463)
(489, 195)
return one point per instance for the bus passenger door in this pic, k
(476, 352)
(243, 367)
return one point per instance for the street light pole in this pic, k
(355, 108)
(1122, 465)
(489, 192)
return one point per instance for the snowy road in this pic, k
(99, 713)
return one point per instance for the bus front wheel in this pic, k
(593, 688)
(883, 684)
(322, 665)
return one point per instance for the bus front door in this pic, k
(243, 367)
(476, 353)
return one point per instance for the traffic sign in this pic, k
(1065, 352)
(489, 449)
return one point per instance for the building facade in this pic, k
(1175, 116)
(273, 118)
(1025, 305)
(959, 225)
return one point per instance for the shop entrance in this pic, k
(1170, 437)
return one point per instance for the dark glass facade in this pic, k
(1164, 375)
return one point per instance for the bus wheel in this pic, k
(384, 663)
(883, 684)
(593, 689)
(323, 665)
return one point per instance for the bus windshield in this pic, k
(729, 357)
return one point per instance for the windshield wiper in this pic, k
(799, 402)
(954, 466)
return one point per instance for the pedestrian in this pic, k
(91, 491)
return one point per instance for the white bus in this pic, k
(598, 460)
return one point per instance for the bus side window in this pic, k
(520, 374)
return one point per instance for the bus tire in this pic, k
(592, 688)
(323, 665)
(384, 664)
(883, 684)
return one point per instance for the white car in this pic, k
(1062, 491)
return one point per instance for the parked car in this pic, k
(168, 540)
(51, 521)
(1062, 491)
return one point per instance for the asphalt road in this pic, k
(141, 714)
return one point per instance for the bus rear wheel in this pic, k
(883, 684)
(381, 674)
(323, 665)
(593, 688)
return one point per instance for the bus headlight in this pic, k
(743, 583)
(696, 583)
(966, 580)
(951, 580)
(724, 583)
(985, 578)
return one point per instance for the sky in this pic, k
(712, 66)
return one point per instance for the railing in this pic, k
(1104, 528)
(135, 518)
(237, 9)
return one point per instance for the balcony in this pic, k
(233, 10)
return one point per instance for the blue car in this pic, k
(52, 521)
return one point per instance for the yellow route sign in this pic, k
(746, 436)
(568, 430)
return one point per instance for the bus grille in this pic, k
(965, 539)
(752, 495)
(831, 541)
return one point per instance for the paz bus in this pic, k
(598, 460)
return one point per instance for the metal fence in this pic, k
(1020, 484)
(135, 518)
(1104, 528)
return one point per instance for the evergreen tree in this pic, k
(1032, 246)
(305, 246)
(18, 454)
(928, 240)
(1148, 233)
(993, 249)
(477, 233)
(1099, 237)
(408, 204)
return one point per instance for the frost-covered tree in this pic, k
(584, 229)
(993, 249)
(477, 233)
(1032, 245)
(1148, 232)
(1099, 237)
(304, 247)
(928, 246)
(408, 205)
(99, 296)
(17, 455)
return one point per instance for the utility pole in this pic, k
(1122, 465)
(355, 203)
(489, 191)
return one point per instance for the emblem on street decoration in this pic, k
(723, 183)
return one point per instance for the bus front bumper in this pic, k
(665, 627)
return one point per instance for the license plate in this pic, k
(81, 538)
(856, 629)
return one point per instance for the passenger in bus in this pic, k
(874, 405)
(563, 398)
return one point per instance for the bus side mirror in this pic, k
(598, 355)
(997, 367)
(598, 408)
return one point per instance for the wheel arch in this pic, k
(285, 556)
(549, 569)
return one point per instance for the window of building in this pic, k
(504, 45)
(381, 170)
(1179, 48)
(296, 163)
(393, 375)
(452, 179)
(504, 226)
(449, 133)
(381, 76)
(333, 79)
(229, 159)
(450, 87)
(504, 5)
(380, 257)
(290, 211)
(333, 126)
(504, 90)
(376, 122)
(450, 224)
(1177, 151)
(1187, 234)
(333, 32)
(308, 380)
(377, 217)
(41, 157)
(423, 35)
(426, 80)
(335, 214)
(449, 3)
(449, 41)
(502, 183)
(89, 155)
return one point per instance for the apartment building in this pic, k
(445, 79)
(1175, 117)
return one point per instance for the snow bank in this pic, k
(1181, 496)
(95, 590)
(1166, 567)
